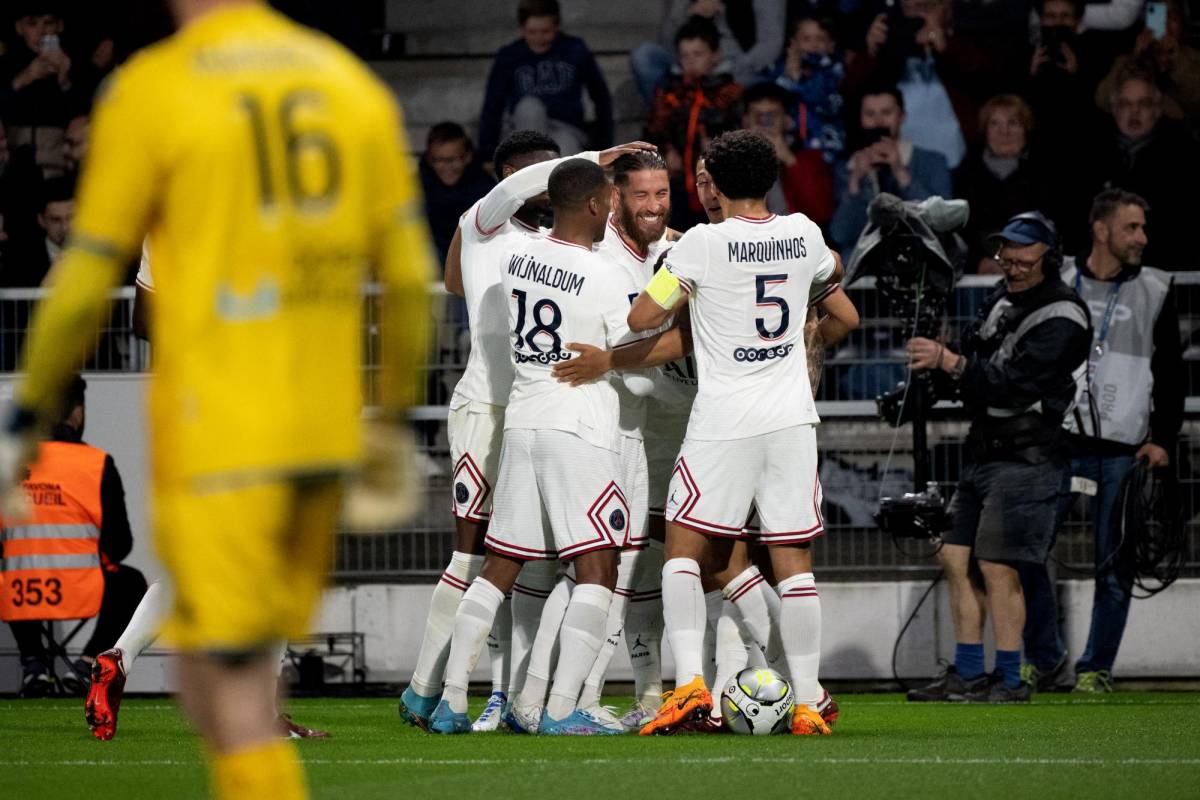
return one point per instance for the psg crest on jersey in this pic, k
(616, 520)
(460, 492)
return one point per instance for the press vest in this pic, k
(51, 562)
(1113, 396)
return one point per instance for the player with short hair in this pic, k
(271, 179)
(559, 492)
(742, 278)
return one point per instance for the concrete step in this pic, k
(482, 27)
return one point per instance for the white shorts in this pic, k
(635, 482)
(557, 497)
(475, 430)
(664, 436)
(715, 483)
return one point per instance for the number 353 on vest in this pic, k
(51, 560)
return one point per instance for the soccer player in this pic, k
(272, 177)
(742, 278)
(516, 207)
(559, 491)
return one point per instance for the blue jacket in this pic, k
(930, 178)
(557, 77)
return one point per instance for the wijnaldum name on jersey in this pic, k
(546, 274)
(769, 250)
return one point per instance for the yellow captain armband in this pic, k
(664, 289)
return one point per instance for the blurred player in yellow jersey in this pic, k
(266, 166)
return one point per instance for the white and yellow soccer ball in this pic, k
(758, 702)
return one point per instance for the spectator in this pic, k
(750, 36)
(85, 513)
(1136, 357)
(19, 182)
(812, 72)
(885, 162)
(805, 182)
(696, 105)
(942, 77)
(999, 180)
(75, 142)
(35, 73)
(1175, 65)
(1153, 157)
(33, 256)
(452, 180)
(538, 82)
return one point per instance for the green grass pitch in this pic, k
(1131, 745)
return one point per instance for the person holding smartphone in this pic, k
(882, 162)
(35, 75)
(1161, 49)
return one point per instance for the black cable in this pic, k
(1150, 524)
(896, 647)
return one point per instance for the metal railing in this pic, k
(861, 457)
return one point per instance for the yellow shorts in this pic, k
(248, 564)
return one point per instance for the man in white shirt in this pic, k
(751, 435)
(559, 492)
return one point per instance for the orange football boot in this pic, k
(688, 702)
(807, 722)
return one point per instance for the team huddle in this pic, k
(633, 444)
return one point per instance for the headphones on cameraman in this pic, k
(1052, 261)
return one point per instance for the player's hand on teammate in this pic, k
(385, 493)
(590, 364)
(610, 155)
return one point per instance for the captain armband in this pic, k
(665, 289)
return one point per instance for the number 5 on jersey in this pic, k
(764, 300)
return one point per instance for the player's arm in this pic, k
(840, 317)
(651, 351)
(510, 194)
(678, 271)
(452, 273)
(115, 201)
(384, 492)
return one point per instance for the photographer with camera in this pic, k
(1016, 376)
(883, 162)
(1129, 409)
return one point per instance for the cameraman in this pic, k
(1016, 378)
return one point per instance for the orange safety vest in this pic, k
(51, 562)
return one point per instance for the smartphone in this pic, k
(49, 43)
(1156, 19)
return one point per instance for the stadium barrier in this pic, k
(862, 458)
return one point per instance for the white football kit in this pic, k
(476, 420)
(751, 436)
(559, 490)
(632, 272)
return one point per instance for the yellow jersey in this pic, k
(268, 168)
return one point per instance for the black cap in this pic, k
(1029, 228)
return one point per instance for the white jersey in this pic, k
(633, 274)
(485, 229)
(560, 292)
(749, 282)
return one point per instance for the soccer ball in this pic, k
(758, 702)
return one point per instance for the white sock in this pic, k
(474, 619)
(143, 626)
(732, 651)
(593, 687)
(499, 644)
(529, 594)
(683, 615)
(644, 626)
(439, 627)
(745, 591)
(582, 634)
(543, 653)
(800, 632)
(712, 613)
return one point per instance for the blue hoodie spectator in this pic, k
(553, 68)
